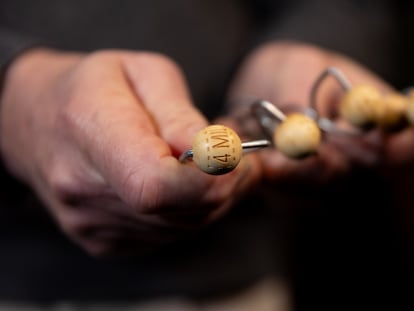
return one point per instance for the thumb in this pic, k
(139, 135)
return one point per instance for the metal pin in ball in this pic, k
(217, 149)
(364, 106)
(296, 135)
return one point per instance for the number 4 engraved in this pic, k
(222, 158)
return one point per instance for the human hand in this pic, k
(284, 74)
(97, 137)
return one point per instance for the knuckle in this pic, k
(142, 194)
(69, 118)
(298, 53)
(98, 248)
(159, 63)
(218, 193)
(87, 236)
(61, 184)
(103, 56)
(160, 60)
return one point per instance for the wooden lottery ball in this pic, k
(361, 105)
(216, 149)
(392, 111)
(297, 136)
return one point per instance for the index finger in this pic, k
(162, 88)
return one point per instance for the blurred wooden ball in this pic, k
(297, 136)
(217, 149)
(410, 107)
(393, 111)
(361, 105)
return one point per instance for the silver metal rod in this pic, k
(186, 155)
(246, 146)
(270, 108)
(263, 143)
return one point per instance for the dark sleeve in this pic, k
(365, 30)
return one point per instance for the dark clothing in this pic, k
(208, 39)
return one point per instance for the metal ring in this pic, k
(324, 123)
(335, 73)
(268, 115)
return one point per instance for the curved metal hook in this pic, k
(330, 71)
(267, 115)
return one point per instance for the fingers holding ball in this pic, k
(217, 149)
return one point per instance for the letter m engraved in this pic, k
(222, 141)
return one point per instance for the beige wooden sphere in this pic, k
(361, 105)
(393, 110)
(297, 136)
(410, 107)
(217, 149)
